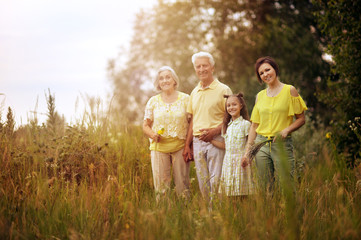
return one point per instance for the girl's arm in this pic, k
(244, 160)
(218, 144)
(147, 129)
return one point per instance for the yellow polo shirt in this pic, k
(207, 105)
(273, 114)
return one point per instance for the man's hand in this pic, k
(207, 134)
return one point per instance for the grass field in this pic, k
(94, 181)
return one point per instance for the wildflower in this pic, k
(161, 131)
(328, 135)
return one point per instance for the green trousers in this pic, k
(275, 161)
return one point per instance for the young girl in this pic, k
(236, 175)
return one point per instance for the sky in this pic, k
(61, 45)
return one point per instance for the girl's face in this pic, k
(166, 81)
(267, 73)
(233, 107)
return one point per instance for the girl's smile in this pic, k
(234, 107)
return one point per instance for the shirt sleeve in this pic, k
(297, 106)
(189, 104)
(149, 109)
(246, 127)
(186, 100)
(255, 112)
(226, 91)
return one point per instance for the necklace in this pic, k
(275, 91)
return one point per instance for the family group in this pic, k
(211, 127)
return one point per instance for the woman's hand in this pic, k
(187, 153)
(283, 134)
(155, 137)
(244, 162)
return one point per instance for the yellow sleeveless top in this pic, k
(273, 114)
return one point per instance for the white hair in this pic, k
(174, 75)
(203, 54)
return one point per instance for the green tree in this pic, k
(340, 23)
(236, 33)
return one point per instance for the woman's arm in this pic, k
(147, 129)
(252, 134)
(187, 152)
(300, 119)
(299, 122)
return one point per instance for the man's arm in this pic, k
(207, 134)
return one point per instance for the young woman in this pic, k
(273, 118)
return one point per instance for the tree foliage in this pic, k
(236, 32)
(340, 23)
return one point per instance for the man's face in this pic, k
(203, 68)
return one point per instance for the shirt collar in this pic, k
(213, 85)
(238, 120)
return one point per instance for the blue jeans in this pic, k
(275, 161)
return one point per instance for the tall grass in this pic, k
(94, 181)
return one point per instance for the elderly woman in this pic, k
(273, 118)
(166, 124)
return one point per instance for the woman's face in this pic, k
(166, 81)
(267, 73)
(233, 107)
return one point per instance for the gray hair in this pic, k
(203, 54)
(174, 75)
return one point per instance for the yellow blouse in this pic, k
(171, 118)
(273, 114)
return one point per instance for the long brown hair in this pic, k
(244, 112)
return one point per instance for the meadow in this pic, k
(93, 180)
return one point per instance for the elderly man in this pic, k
(207, 107)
